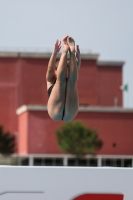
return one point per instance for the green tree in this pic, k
(7, 142)
(77, 139)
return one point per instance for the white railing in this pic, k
(67, 160)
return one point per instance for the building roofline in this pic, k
(99, 109)
(41, 55)
(110, 63)
(84, 56)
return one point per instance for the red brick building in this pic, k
(23, 103)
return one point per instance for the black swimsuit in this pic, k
(50, 90)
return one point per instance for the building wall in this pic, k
(33, 81)
(41, 137)
(115, 130)
(88, 83)
(9, 98)
(22, 81)
(110, 78)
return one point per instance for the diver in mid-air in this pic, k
(62, 79)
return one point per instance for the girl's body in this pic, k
(62, 82)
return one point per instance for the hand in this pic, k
(57, 47)
(65, 44)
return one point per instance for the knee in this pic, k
(54, 116)
(68, 118)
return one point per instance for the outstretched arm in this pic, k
(51, 65)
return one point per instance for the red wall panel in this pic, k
(9, 101)
(42, 137)
(110, 79)
(113, 128)
(33, 81)
(88, 83)
(23, 133)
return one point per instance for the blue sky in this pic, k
(98, 26)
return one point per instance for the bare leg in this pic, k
(57, 98)
(71, 104)
(78, 57)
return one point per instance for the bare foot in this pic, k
(71, 44)
(65, 44)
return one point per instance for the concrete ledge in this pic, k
(25, 108)
(89, 56)
(104, 109)
(111, 63)
(9, 54)
(84, 56)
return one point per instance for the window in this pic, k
(93, 162)
(128, 163)
(48, 162)
(25, 162)
(82, 162)
(117, 162)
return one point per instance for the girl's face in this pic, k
(56, 73)
(66, 73)
(68, 63)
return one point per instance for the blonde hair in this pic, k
(56, 65)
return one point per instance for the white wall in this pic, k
(63, 183)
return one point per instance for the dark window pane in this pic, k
(103, 162)
(108, 162)
(37, 162)
(25, 162)
(82, 162)
(114, 162)
(71, 162)
(128, 163)
(49, 162)
(43, 162)
(118, 162)
(59, 161)
(93, 162)
(76, 162)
